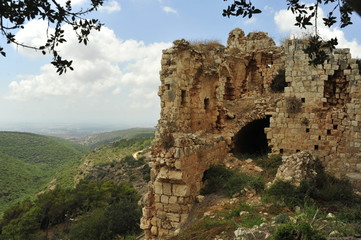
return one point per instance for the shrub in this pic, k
(350, 214)
(286, 193)
(305, 121)
(282, 218)
(228, 182)
(270, 163)
(323, 189)
(279, 81)
(296, 231)
(215, 179)
(293, 105)
(131, 162)
(235, 211)
(264, 161)
(108, 209)
(121, 220)
(238, 181)
(252, 218)
(327, 188)
(146, 172)
(92, 227)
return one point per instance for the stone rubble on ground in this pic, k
(296, 168)
(255, 233)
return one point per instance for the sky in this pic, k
(116, 76)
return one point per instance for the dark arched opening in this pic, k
(252, 139)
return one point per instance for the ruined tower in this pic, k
(218, 99)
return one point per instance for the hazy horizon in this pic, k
(67, 130)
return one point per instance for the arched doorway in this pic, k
(252, 139)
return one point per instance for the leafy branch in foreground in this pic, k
(14, 14)
(306, 15)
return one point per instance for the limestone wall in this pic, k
(209, 93)
(328, 123)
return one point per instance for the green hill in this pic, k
(103, 204)
(28, 162)
(108, 137)
(108, 160)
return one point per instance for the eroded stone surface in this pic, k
(215, 97)
(297, 167)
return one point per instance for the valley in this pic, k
(31, 163)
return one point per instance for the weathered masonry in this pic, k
(218, 99)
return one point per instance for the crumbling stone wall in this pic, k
(210, 92)
(328, 122)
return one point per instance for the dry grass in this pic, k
(293, 105)
(206, 45)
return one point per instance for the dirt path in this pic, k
(135, 155)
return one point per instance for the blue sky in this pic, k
(116, 76)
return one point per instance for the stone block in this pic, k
(144, 224)
(167, 189)
(354, 176)
(159, 206)
(358, 167)
(175, 175)
(154, 221)
(181, 190)
(157, 198)
(154, 230)
(158, 188)
(174, 217)
(162, 232)
(174, 208)
(173, 199)
(164, 199)
(178, 164)
(176, 225)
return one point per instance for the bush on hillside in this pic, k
(296, 231)
(222, 180)
(285, 193)
(105, 224)
(108, 210)
(323, 188)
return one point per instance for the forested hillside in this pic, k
(108, 137)
(102, 205)
(115, 161)
(92, 211)
(28, 162)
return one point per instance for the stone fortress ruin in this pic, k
(216, 100)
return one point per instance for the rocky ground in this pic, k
(249, 215)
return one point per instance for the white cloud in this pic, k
(106, 67)
(34, 34)
(285, 21)
(168, 9)
(112, 6)
(269, 9)
(250, 20)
